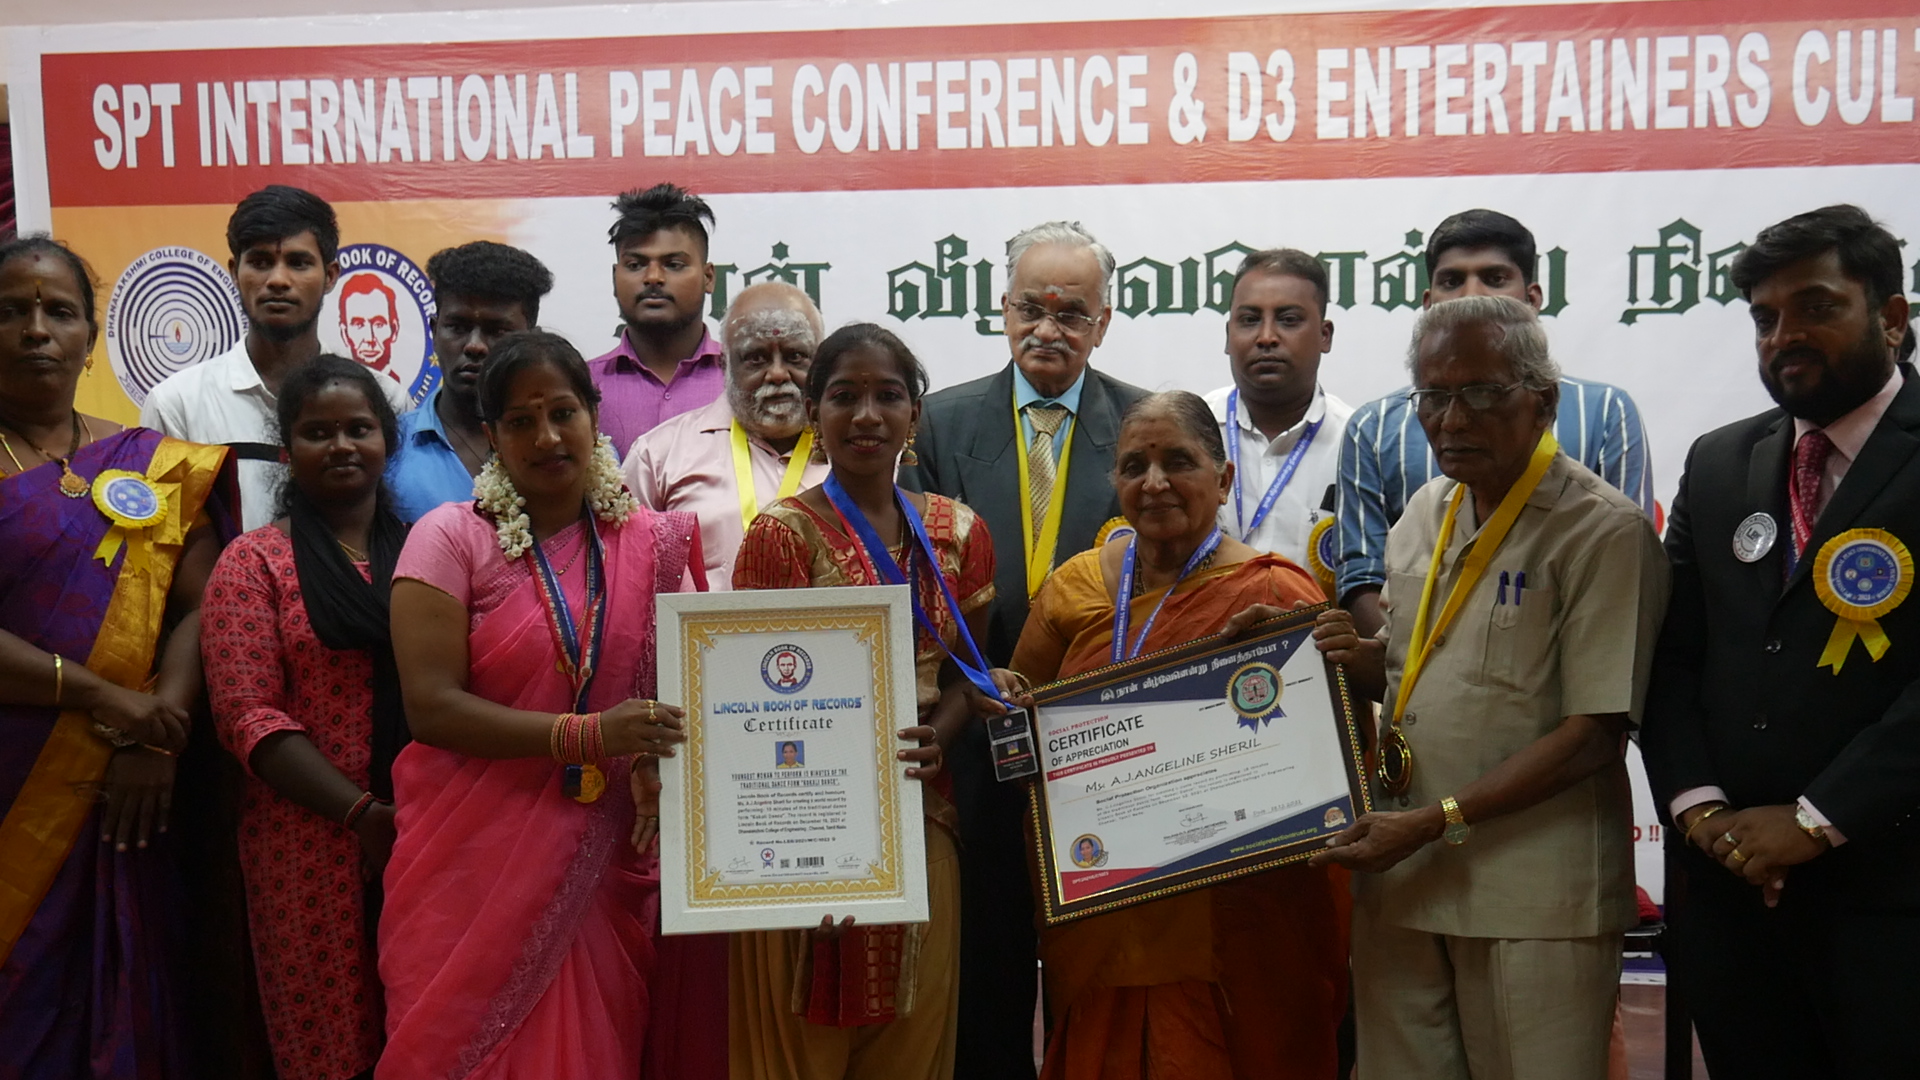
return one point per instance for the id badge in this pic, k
(1010, 738)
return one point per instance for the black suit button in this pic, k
(1760, 721)
(1773, 646)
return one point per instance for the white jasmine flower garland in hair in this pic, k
(607, 496)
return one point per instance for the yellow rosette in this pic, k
(137, 506)
(1114, 527)
(1860, 575)
(1321, 556)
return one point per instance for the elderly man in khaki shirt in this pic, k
(1523, 599)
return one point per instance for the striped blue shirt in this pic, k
(1385, 458)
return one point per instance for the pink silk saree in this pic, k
(517, 939)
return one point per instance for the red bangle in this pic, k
(359, 808)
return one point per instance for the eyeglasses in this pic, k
(1069, 322)
(1478, 398)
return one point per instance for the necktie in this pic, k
(1046, 421)
(1809, 467)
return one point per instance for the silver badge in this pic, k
(1755, 537)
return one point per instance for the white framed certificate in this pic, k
(787, 803)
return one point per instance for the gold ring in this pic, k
(650, 707)
(1736, 854)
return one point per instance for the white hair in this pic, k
(1523, 341)
(1067, 234)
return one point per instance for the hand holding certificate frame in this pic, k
(1190, 766)
(787, 802)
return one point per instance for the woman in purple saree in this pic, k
(521, 898)
(107, 546)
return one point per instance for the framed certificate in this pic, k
(787, 803)
(1190, 766)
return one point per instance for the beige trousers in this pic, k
(1434, 1007)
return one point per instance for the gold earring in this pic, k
(819, 455)
(907, 455)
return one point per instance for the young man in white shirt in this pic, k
(284, 242)
(1283, 432)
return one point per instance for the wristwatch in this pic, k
(1809, 826)
(1457, 828)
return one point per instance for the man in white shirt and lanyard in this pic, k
(727, 461)
(284, 242)
(1283, 432)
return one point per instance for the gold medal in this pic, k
(593, 784)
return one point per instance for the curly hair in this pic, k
(496, 273)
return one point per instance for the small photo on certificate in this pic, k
(787, 802)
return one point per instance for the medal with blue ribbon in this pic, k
(136, 505)
(579, 644)
(1123, 602)
(1860, 575)
(887, 569)
(1287, 468)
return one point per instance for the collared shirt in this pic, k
(1024, 395)
(222, 401)
(1849, 436)
(1513, 664)
(687, 464)
(1385, 458)
(1290, 523)
(426, 470)
(633, 400)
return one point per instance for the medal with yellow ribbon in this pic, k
(1860, 575)
(136, 506)
(743, 471)
(1396, 756)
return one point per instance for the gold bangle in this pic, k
(1687, 837)
(59, 679)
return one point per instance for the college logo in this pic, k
(171, 309)
(1254, 693)
(1334, 818)
(786, 669)
(380, 314)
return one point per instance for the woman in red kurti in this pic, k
(301, 679)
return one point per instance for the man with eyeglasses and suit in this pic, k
(1030, 449)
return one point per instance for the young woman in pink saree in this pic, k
(517, 939)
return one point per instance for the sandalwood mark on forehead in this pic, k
(779, 325)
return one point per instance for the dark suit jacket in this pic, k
(1737, 699)
(967, 452)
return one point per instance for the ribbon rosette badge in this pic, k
(1860, 575)
(135, 505)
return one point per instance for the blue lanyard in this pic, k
(566, 633)
(1123, 603)
(889, 570)
(1287, 468)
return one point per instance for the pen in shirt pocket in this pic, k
(1504, 580)
(1519, 586)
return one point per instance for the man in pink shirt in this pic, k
(666, 363)
(747, 449)
(1782, 727)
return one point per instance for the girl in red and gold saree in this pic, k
(108, 540)
(1246, 980)
(802, 1006)
(516, 942)
(300, 675)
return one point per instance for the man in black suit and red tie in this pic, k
(1782, 728)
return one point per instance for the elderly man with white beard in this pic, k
(750, 447)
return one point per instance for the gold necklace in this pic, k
(72, 485)
(576, 558)
(353, 553)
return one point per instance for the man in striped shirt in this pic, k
(1384, 457)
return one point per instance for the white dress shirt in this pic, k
(1288, 526)
(221, 401)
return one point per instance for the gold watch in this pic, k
(1457, 828)
(1810, 827)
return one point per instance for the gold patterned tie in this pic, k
(1046, 421)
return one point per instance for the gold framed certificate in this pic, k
(1190, 766)
(786, 803)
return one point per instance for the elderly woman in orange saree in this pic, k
(1242, 980)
